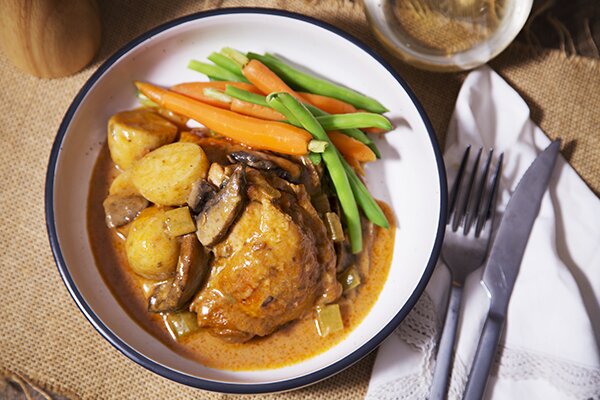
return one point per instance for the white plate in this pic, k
(410, 178)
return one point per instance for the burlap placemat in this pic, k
(44, 337)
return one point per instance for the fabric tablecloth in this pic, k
(45, 339)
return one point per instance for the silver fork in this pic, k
(468, 232)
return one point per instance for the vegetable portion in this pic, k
(132, 134)
(181, 323)
(179, 222)
(351, 148)
(329, 320)
(319, 86)
(350, 278)
(151, 252)
(265, 79)
(165, 176)
(256, 133)
(328, 104)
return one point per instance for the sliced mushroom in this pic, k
(311, 178)
(121, 210)
(201, 192)
(221, 211)
(279, 165)
(173, 294)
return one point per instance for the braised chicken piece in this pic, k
(276, 263)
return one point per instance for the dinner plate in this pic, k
(410, 178)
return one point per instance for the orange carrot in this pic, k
(356, 166)
(351, 148)
(266, 80)
(328, 104)
(377, 131)
(255, 110)
(254, 132)
(195, 90)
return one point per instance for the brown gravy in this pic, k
(291, 344)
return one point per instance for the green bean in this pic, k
(228, 64)
(237, 56)
(333, 162)
(354, 120)
(364, 199)
(217, 95)
(319, 86)
(276, 103)
(245, 95)
(213, 71)
(353, 133)
(315, 158)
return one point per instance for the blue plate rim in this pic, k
(177, 376)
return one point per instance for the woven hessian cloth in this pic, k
(45, 338)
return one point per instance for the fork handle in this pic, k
(484, 358)
(441, 373)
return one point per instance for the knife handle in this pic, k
(484, 357)
(443, 363)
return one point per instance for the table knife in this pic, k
(504, 261)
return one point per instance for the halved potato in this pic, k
(151, 252)
(132, 134)
(165, 175)
(123, 185)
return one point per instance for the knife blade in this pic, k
(504, 261)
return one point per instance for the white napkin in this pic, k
(551, 345)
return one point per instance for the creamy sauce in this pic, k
(297, 341)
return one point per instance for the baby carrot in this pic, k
(255, 110)
(253, 132)
(266, 80)
(328, 104)
(196, 90)
(350, 148)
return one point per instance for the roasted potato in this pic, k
(165, 175)
(123, 185)
(132, 134)
(151, 252)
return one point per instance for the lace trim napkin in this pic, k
(551, 345)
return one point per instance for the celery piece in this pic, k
(349, 279)
(334, 227)
(329, 319)
(179, 222)
(180, 323)
(148, 287)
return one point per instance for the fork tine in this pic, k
(474, 205)
(456, 187)
(487, 209)
(465, 195)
